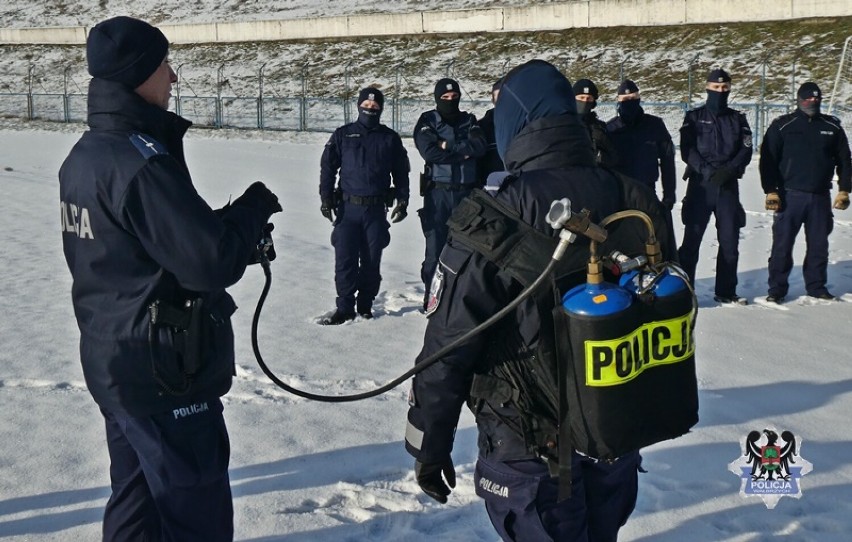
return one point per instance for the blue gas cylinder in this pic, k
(665, 285)
(601, 299)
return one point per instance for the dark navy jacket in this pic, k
(552, 158)
(605, 152)
(802, 153)
(645, 150)
(710, 142)
(465, 143)
(134, 230)
(367, 159)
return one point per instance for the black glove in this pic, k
(264, 246)
(327, 210)
(723, 176)
(668, 203)
(400, 211)
(257, 196)
(429, 477)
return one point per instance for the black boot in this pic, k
(336, 318)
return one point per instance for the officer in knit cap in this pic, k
(799, 156)
(450, 142)
(643, 143)
(716, 144)
(150, 261)
(363, 170)
(586, 94)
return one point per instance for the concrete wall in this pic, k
(552, 16)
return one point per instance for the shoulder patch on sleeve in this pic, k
(451, 262)
(147, 145)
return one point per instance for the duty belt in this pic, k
(366, 201)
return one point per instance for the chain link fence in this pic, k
(284, 100)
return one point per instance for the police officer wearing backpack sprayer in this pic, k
(716, 144)
(798, 158)
(547, 150)
(150, 261)
(373, 168)
(450, 143)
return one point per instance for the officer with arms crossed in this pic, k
(450, 142)
(798, 158)
(150, 261)
(586, 94)
(367, 155)
(546, 148)
(715, 143)
(643, 143)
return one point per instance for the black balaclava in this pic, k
(806, 91)
(629, 110)
(717, 101)
(370, 117)
(449, 109)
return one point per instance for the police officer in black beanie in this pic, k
(150, 261)
(716, 144)
(450, 143)
(372, 165)
(586, 94)
(798, 159)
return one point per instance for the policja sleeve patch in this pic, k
(450, 263)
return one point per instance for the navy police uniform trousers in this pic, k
(169, 477)
(814, 211)
(361, 233)
(702, 200)
(438, 205)
(521, 499)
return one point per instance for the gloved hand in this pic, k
(841, 201)
(264, 245)
(723, 176)
(429, 477)
(668, 203)
(327, 210)
(400, 211)
(257, 196)
(773, 201)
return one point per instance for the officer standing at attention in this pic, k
(586, 94)
(547, 150)
(798, 158)
(716, 144)
(643, 143)
(369, 157)
(150, 261)
(450, 142)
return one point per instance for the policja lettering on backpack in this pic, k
(616, 361)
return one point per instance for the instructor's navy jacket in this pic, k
(134, 230)
(802, 153)
(645, 150)
(361, 156)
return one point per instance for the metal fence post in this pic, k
(347, 106)
(30, 108)
(65, 105)
(303, 105)
(397, 100)
(177, 90)
(260, 97)
(689, 80)
(219, 82)
(621, 70)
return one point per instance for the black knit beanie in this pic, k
(125, 50)
(371, 93)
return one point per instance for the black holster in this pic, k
(186, 324)
(426, 182)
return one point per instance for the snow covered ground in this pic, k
(304, 471)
